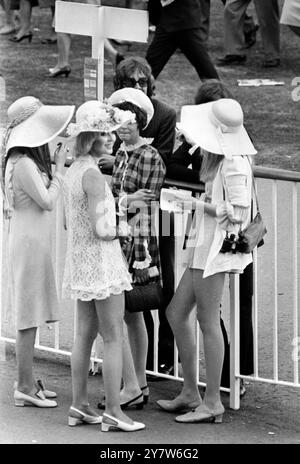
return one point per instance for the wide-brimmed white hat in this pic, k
(96, 116)
(32, 124)
(218, 127)
(135, 96)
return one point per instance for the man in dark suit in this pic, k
(178, 25)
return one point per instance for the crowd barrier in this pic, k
(275, 301)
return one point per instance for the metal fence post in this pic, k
(234, 282)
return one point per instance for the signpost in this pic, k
(100, 23)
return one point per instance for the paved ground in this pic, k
(268, 414)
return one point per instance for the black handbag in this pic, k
(144, 297)
(250, 237)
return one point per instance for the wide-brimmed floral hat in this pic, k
(97, 116)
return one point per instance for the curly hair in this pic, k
(127, 67)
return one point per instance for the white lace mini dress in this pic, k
(94, 268)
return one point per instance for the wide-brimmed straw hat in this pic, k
(218, 127)
(97, 116)
(32, 124)
(135, 96)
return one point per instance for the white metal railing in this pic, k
(274, 177)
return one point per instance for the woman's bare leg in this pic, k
(111, 316)
(86, 331)
(138, 338)
(179, 314)
(209, 293)
(24, 354)
(63, 47)
(131, 387)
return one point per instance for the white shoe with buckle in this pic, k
(36, 399)
(40, 386)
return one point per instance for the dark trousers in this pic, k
(190, 42)
(165, 334)
(205, 20)
(246, 330)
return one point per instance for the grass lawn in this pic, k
(271, 115)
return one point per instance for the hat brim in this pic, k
(135, 96)
(196, 123)
(42, 127)
(76, 130)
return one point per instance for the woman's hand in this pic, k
(60, 156)
(141, 276)
(141, 195)
(106, 162)
(124, 233)
(184, 136)
(184, 204)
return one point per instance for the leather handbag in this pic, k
(252, 235)
(144, 297)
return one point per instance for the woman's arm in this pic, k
(93, 184)
(150, 176)
(31, 182)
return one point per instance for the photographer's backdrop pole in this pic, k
(100, 23)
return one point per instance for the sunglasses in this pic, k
(131, 82)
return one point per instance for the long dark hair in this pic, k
(209, 166)
(127, 67)
(39, 155)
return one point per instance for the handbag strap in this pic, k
(254, 187)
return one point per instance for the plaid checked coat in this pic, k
(141, 168)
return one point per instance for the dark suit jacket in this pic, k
(177, 167)
(162, 128)
(179, 15)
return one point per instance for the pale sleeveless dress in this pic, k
(94, 268)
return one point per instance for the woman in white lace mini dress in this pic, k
(95, 271)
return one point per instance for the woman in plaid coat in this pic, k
(137, 178)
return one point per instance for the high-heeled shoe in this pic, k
(137, 401)
(177, 406)
(145, 395)
(40, 385)
(36, 399)
(77, 417)
(110, 422)
(202, 414)
(23, 37)
(64, 71)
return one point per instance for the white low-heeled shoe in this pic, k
(79, 417)
(40, 385)
(178, 405)
(36, 399)
(202, 414)
(110, 422)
